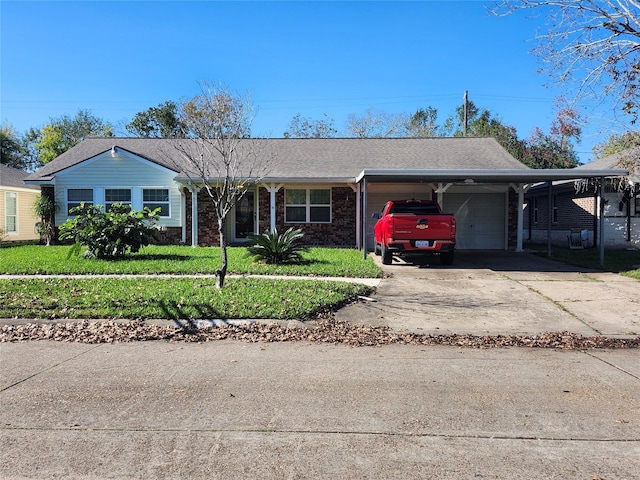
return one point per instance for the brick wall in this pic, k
(340, 232)
(573, 212)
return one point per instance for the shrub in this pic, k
(45, 208)
(272, 247)
(111, 234)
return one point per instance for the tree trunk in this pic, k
(222, 272)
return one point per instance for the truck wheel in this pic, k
(446, 258)
(386, 256)
(376, 250)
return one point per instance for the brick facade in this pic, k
(340, 232)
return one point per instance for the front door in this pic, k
(245, 217)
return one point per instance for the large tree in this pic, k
(12, 151)
(592, 45)
(301, 127)
(423, 123)
(64, 132)
(157, 122)
(377, 124)
(218, 153)
(616, 143)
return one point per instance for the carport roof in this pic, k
(470, 176)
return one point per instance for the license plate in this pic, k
(422, 243)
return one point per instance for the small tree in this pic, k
(45, 208)
(112, 234)
(219, 154)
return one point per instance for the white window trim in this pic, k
(14, 215)
(66, 198)
(168, 202)
(308, 205)
(106, 207)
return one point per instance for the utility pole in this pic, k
(465, 109)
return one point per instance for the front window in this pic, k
(312, 205)
(554, 217)
(153, 198)
(116, 195)
(11, 212)
(76, 196)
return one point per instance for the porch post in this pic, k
(602, 221)
(441, 188)
(520, 189)
(549, 215)
(272, 189)
(358, 215)
(183, 221)
(364, 218)
(194, 214)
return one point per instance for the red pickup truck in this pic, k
(414, 227)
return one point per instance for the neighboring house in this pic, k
(575, 206)
(327, 187)
(17, 221)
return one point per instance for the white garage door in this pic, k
(480, 220)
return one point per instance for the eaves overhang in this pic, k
(483, 176)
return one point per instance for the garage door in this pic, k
(480, 219)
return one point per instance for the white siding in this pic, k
(121, 171)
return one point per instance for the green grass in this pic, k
(38, 259)
(176, 298)
(620, 261)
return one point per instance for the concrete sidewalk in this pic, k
(230, 410)
(498, 292)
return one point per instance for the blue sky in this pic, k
(336, 58)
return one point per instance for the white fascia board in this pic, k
(51, 181)
(488, 175)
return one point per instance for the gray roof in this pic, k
(315, 159)
(628, 159)
(12, 177)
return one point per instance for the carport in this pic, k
(457, 188)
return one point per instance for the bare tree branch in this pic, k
(590, 44)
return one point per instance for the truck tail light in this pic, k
(453, 227)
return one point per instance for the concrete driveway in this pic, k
(498, 292)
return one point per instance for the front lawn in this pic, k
(326, 262)
(174, 298)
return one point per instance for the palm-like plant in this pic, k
(273, 247)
